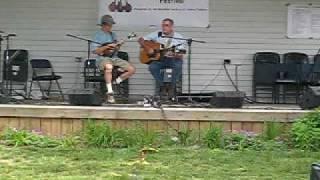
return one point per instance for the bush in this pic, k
(214, 138)
(135, 137)
(305, 131)
(272, 130)
(98, 135)
(14, 137)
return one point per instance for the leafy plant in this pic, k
(14, 137)
(184, 136)
(135, 137)
(272, 130)
(214, 138)
(305, 131)
(98, 135)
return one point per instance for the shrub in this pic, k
(135, 137)
(98, 135)
(214, 138)
(14, 137)
(305, 131)
(272, 130)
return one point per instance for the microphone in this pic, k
(160, 34)
(12, 35)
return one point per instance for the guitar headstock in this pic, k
(132, 35)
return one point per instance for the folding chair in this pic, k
(44, 72)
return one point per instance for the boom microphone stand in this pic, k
(89, 41)
(189, 42)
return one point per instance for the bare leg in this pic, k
(108, 77)
(129, 72)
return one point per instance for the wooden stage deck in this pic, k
(62, 120)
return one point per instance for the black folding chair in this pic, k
(265, 75)
(292, 74)
(44, 72)
(315, 71)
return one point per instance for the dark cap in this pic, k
(107, 19)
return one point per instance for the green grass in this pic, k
(169, 163)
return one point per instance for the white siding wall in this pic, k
(239, 28)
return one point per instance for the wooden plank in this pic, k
(14, 123)
(157, 126)
(46, 126)
(247, 126)
(35, 124)
(77, 125)
(236, 126)
(66, 127)
(56, 127)
(257, 127)
(119, 124)
(3, 123)
(227, 126)
(25, 123)
(204, 125)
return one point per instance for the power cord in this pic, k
(246, 98)
(212, 80)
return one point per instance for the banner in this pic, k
(187, 13)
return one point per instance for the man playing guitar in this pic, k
(169, 59)
(107, 55)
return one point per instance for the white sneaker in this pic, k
(110, 98)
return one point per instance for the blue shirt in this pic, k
(167, 42)
(102, 37)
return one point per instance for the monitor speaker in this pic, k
(227, 99)
(315, 172)
(310, 98)
(85, 97)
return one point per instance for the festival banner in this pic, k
(186, 13)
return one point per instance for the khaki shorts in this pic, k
(115, 62)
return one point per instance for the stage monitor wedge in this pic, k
(85, 97)
(310, 98)
(227, 99)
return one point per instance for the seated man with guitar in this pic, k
(160, 51)
(107, 58)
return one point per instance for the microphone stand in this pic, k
(89, 41)
(1, 39)
(189, 42)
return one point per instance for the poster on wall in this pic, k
(187, 13)
(303, 21)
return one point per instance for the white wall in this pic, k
(239, 28)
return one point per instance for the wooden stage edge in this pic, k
(63, 120)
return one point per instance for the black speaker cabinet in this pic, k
(227, 99)
(315, 172)
(310, 98)
(17, 70)
(85, 97)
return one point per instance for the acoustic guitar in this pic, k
(158, 48)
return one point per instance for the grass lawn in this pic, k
(168, 163)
